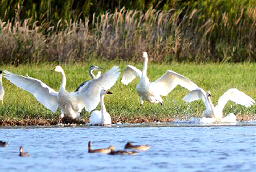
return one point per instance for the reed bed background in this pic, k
(182, 35)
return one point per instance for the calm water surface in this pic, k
(212, 148)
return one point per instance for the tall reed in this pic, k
(174, 35)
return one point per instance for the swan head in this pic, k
(145, 55)
(58, 69)
(104, 92)
(94, 67)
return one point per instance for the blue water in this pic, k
(213, 148)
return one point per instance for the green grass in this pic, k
(124, 103)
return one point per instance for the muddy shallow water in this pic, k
(175, 147)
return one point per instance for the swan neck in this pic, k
(145, 66)
(219, 111)
(64, 81)
(1, 78)
(210, 105)
(103, 108)
(91, 74)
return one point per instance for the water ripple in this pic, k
(213, 148)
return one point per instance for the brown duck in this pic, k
(103, 150)
(122, 152)
(129, 145)
(3, 144)
(22, 153)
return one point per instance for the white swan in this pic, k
(90, 92)
(91, 69)
(70, 103)
(1, 88)
(152, 91)
(101, 117)
(215, 114)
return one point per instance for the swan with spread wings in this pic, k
(152, 91)
(213, 113)
(70, 103)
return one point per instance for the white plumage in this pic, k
(215, 114)
(1, 88)
(70, 103)
(101, 117)
(90, 93)
(91, 69)
(152, 91)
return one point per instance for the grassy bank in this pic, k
(124, 105)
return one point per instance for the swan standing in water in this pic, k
(215, 114)
(1, 87)
(152, 91)
(91, 69)
(101, 117)
(70, 103)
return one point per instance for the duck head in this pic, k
(21, 149)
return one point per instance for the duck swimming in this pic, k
(3, 144)
(22, 153)
(129, 145)
(122, 152)
(103, 150)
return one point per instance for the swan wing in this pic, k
(195, 95)
(43, 93)
(86, 82)
(82, 85)
(236, 96)
(89, 94)
(166, 83)
(130, 74)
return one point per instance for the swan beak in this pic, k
(108, 92)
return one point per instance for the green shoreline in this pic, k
(123, 105)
